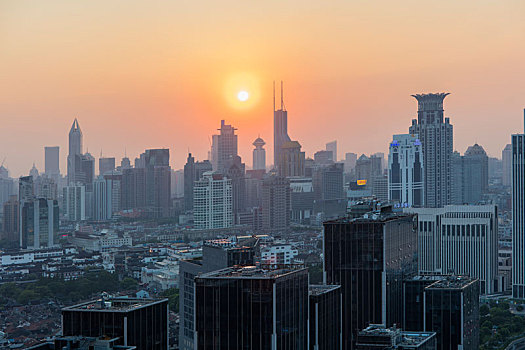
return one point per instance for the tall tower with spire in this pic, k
(280, 127)
(75, 151)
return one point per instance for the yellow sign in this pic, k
(361, 182)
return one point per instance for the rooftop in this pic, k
(114, 304)
(318, 289)
(452, 282)
(249, 272)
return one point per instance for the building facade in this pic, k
(259, 155)
(276, 203)
(435, 133)
(518, 216)
(39, 223)
(212, 202)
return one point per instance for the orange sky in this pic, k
(145, 74)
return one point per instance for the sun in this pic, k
(243, 95)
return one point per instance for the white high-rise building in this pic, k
(460, 240)
(518, 215)
(102, 199)
(435, 133)
(74, 202)
(405, 171)
(212, 202)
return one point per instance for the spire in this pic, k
(274, 95)
(282, 98)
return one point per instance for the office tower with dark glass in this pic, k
(326, 316)
(215, 256)
(137, 322)
(518, 215)
(158, 182)
(251, 308)
(452, 311)
(405, 171)
(369, 255)
(38, 223)
(435, 133)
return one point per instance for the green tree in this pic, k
(173, 298)
(484, 310)
(128, 284)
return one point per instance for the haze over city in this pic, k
(164, 75)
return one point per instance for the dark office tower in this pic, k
(135, 322)
(414, 300)
(369, 256)
(327, 182)
(10, 220)
(280, 128)
(75, 151)
(452, 311)
(224, 147)
(193, 171)
(435, 133)
(158, 182)
(214, 257)
(326, 315)
(475, 174)
(250, 308)
(133, 188)
(86, 173)
(276, 199)
(378, 337)
(518, 215)
(38, 223)
(291, 160)
(125, 163)
(52, 165)
(456, 178)
(259, 155)
(235, 170)
(26, 190)
(106, 165)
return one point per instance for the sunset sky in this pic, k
(151, 74)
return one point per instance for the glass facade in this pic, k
(265, 310)
(325, 317)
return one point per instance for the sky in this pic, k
(154, 74)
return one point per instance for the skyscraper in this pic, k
(75, 150)
(405, 170)
(506, 156)
(251, 308)
(369, 256)
(332, 147)
(259, 155)
(212, 202)
(280, 127)
(52, 163)
(475, 174)
(435, 133)
(102, 199)
(276, 208)
(518, 215)
(74, 202)
(193, 171)
(39, 223)
(10, 220)
(291, 160)
(106, 165)
(158, 182)
(224, 147)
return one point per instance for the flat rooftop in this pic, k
(452, 282)
(414, 339)
(318, 289)
(114, 305)
(249, 272)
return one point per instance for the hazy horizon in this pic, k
(140, 77)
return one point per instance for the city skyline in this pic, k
(153, 79)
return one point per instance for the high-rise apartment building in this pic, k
(276, 203)
(405, 171)
(74, 202)
(460, 240)
(141, 323)
(52, 161)
(212, 202)
(259, 155)
(224, 147)
(158, 182)
(133, 188)
(39, 223)
(235, 170)
(291, 160)
(241, 308)
(369, 255)
(506, 156)
(106, 165)
(193, 171)
(102, 199)
(327, 182)
(518, 215)
(435, 133)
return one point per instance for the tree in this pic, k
(173, 298)
(128, 284)
(484, 310)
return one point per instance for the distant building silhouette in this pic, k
(259, 155)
